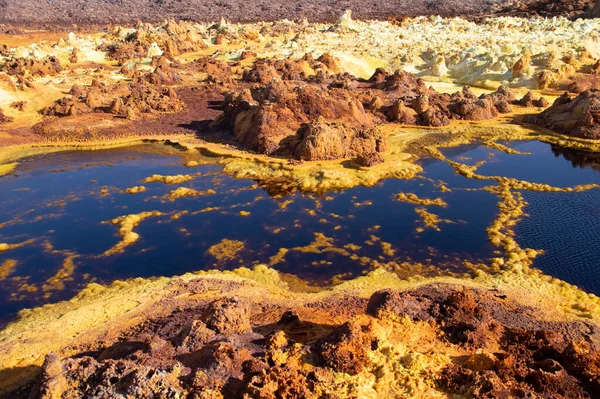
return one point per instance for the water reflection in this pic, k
(578, 158)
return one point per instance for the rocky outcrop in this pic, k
(325, 116)
(4, 118)
(346, 349)
(437, 109)
(268, 118)
(264, 71)
(576, 117)
(321, 140)
(454, 339)
(228, 316)
(24, 67)
(217, 71)
(123, 99)
(171, 39)
(404, 83)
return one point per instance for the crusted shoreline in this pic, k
(158, 314)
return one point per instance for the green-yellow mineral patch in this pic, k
(181, 192)
(8, 267)
(135, 190)
(414, 199)
(126, 225)
(65, 273)
(177, 179)
(429, 220)
(226, 249)
(5, 246)
(7, 168)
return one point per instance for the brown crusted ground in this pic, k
(91, 125)
(102, 11)
(549, 8)
(237, 349)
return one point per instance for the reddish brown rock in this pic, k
(177, 355)
(174, 38)
(18, 105)
(216, 70)
(369, 159)
(405, 83)
(278, 110)
(400, 113)
(47, 66)
(264, 71)
(323, 141)
(530, 100)
(583, 361)
(228, 316)
(120, 99)
(345, 349)
(391, 305)
(4, 118)
(261, 72)
(577, 117)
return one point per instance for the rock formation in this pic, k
(268, 118)
(576, 117)
(456, 340)
(120, 99)
(4, 118)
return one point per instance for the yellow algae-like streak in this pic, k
(126, 225)
(181, 192)
(65, 273)
(8, 267)
(135, 190)
(5, 246)
(316, 176)
(414, 199)
(430, 220)
(177, 179)
(7, 168)
(226, 249)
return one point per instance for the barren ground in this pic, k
(107, 11)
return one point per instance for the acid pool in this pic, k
(58, 209)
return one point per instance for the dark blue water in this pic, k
(55, 201)
(565, 225)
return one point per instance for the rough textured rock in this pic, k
(499, 349)
(227, 316)
(263, 117)
(576, 117)
(322, 141)
(345, 349)
(217, 71)
(405, 83)
(369, 159)
(121, 99)
(97, 11)
(327, 116)
(147, 41)
(530, 100)
(47, 66)
(428, 108)
(4, 118)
